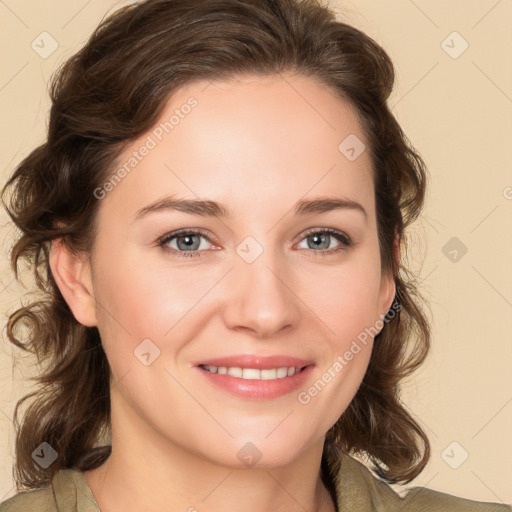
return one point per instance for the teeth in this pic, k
(235, 372)
(268, 374)
(282, 372)
(253, 373)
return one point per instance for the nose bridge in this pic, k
(261, 299)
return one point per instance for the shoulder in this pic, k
(68, 492)
(41, 500)
(358, 489)
(419, 498)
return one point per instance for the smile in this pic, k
(256, 383)
(253, 373)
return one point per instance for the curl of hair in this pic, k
(112, 91)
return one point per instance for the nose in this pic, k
(260, 299)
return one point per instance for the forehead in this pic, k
(250, 142)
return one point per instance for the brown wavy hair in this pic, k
(112, 91)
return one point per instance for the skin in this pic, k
(256, 145)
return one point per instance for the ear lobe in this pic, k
(388, 283)
(389, 291)
(72, 273)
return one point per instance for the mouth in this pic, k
(256, 377)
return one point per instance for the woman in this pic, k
(217, 220)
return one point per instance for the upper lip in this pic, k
(255, 361)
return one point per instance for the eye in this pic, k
(321, 239)
(184, 242)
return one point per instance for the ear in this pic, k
(388, 286)
(72, 273)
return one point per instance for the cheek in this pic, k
(169, 303)
(349, 312)
(344, 298)
(138, 301)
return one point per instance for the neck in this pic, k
(148, 472)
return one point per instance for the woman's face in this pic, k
(253, 289)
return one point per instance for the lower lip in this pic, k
(258, 389)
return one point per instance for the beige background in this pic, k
(457, 112)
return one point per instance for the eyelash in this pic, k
(345, 241)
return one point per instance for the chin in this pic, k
(258, 452)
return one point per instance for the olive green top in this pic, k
(357, 490)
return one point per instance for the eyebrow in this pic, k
(209, 208)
